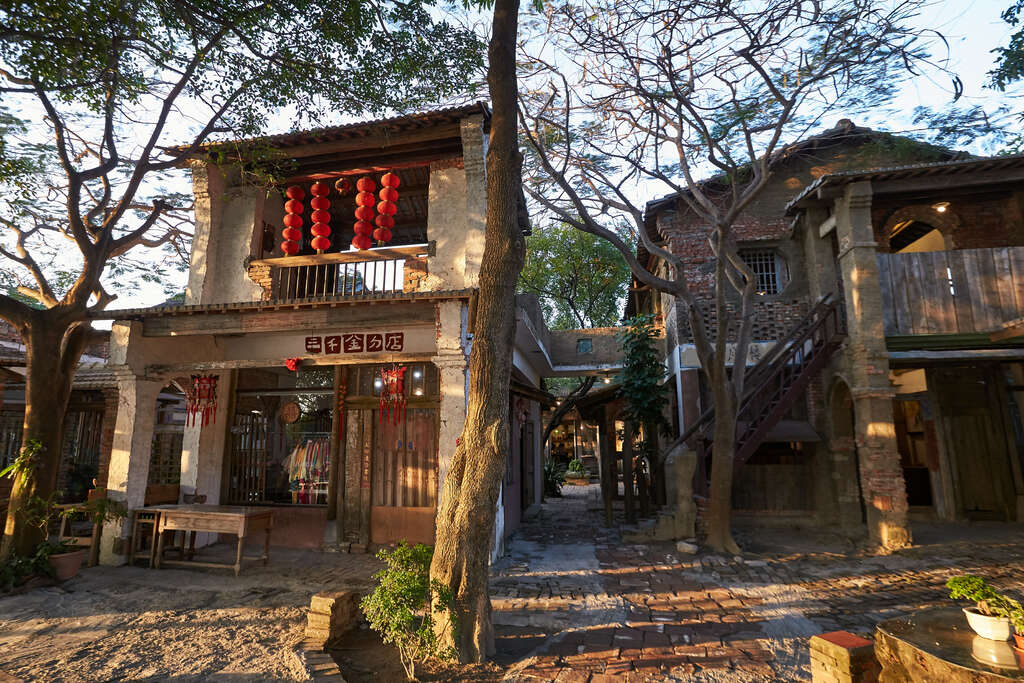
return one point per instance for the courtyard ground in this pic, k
(572, 602)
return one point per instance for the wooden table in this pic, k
(217, 519)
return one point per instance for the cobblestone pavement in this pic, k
(572, 602)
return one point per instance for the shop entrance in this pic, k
(404, 478)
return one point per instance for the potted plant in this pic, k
(994, 616)
(576, 469)
(64, 557)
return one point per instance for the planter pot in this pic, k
(1018, 640)
(993, 653)
(993, 628)
(66, 565)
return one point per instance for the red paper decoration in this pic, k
(365, 199)
(362, 228)
(385, 222)
(392, 394)
(343, 186)
(321, 217)
(388, 194)
(292, 220)
(366, 184)
(202, 400)
(362, 242)
(390, 180)
(382, 235)
(292, 363)
(364, 213)
(387, 208)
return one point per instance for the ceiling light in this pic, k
(941, 207)
(607, 380)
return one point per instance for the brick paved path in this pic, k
(572, 602)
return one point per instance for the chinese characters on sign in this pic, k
(356, 342)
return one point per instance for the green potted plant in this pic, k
(994, 616)
(576, 469)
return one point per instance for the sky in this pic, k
(971, 27)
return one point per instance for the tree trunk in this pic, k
(469, 497)
(567, 404)
(722, 459)
(47, 390)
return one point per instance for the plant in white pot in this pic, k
(994, 616)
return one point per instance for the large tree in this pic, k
(469, 494)
(659, 93)
(103, 98)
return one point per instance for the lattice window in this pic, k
(768, 267)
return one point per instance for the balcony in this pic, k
(968, 291)
(353, 274)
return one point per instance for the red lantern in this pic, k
(364, 213)
(362, 242)
(321, 243)
(293, 220)
(365, 199)
(390, 180)
(387, 208)
(388, 194)
(320, 189)
(385, 221)
(320, 217)
(292, 363)
(392, 395)
(382, 235)
(320, 203)
(289, 247)
(294, 206)
(366, 184)
(362, 228)
(295, 192)
(291, 234)
(321, 230)
(343, 186)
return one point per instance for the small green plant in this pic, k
(989, 601)
(402, 606)
(554, 477)
(25, 462)
(576, 467)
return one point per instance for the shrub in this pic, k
(554, 477)
(576, 467)
(399, 608)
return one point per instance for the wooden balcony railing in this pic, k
(951, 292)
(345, 274)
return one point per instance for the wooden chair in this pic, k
(156, 494)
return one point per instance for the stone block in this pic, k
(331, 615)
(842, 657)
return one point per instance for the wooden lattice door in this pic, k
(404, 478)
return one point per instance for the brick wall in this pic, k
(971, 222)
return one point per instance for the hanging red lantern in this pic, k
(392, 395)
(388, 194)
(320, 244)
(343, 186)
(202, 400)
(365, 199)
(320, 230)
(320, 189)
(382, 235)
(320, 216)
(366, 184)
(292, 220)
(390, 180)
(383, 221)
(364, 213)
(362, 228)
(319, 203)
(362, 242)
(387, 208)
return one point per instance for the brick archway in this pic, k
(842, 445)
(945, 222)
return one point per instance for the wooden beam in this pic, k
(1012, 330)
(380, 254)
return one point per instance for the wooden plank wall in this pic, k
(951, 292)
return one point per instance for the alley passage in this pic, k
(572, 602)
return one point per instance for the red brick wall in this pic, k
(974, 221)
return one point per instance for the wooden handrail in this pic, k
(380, 254)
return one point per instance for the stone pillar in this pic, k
(129, 460)
(880, 472)
(452, 411)
(474, 153)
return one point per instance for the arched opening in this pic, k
(915, 236)
(843, 443)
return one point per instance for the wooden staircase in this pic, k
(775, 382)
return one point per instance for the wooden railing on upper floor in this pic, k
(345, 274)
(951, 292)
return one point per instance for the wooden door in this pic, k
(526, 462)
(975, 432)
(404, 478)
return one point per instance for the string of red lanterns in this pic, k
(387, 208)
(321, 217)
(364, 213)
(293, 209)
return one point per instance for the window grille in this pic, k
(768, 267)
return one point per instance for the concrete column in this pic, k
(129, 460)
(880, 472)
(452, 411)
